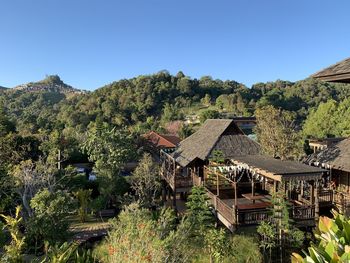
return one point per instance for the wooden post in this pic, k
(312, 193)
(174, 198)
(317, 208)
(163, 191)
(59, 160)
(275, 186)
(217, 185)
(253, 189)
(302, 188)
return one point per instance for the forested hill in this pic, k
(149, 101)
(51, 83)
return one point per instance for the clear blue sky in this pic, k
(90, 43)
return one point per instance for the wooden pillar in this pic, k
(174, 198)
(317, 208)
(163, 191)
(253, 190)
(302, 188)
(217, 185)
(312, 193)
(275, 186)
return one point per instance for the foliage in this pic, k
(49, 221)
(31, 177)
(59, 254)
(145, 181)
(133, 238)
(333, 241)
(109, 148)
(208, 114)
(13, 251)
(198, 213)
(6, 126)
(276, 133)
(84, 198)
(329, 119)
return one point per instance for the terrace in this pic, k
(241, 189)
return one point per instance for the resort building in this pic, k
(240, 180)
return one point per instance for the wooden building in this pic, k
(318, 145)
(241, 184)
(339, 72)
(157, 141)
(337, 160)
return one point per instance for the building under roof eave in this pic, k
(335, 157)
(339, 72)
(279, 170)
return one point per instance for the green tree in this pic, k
(321, 123)
(109, 149)
(84, 198)
(198, 213)
(145, 181)
(6, 126)
(208, 114)
(276, 133)
(49, 221)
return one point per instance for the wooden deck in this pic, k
(249, 213)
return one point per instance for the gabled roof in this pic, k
(336, 156)
(339, 72)
(215, 134)
(162, 140)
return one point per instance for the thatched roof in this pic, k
(337, 156)
(339, 72)
(215, 134)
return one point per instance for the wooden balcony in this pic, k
(254, 213)
(176, 181)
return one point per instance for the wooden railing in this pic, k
(303, 212)
(252, 217)
(176, 180)
(196, 180)
(225, 210)
(325, 197)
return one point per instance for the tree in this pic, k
(49, 221)
(132, 238)
(6, 126)
(206, 100)
(321, 122)
(276, 133)
(208, 114)
(145, 181)
(84, 198)
(199, 214)
(30, 178)
(109, 148)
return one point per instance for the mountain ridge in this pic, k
(52, 83)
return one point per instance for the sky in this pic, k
(90, 43)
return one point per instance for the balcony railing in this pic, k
(303, 212)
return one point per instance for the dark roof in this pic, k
(215, 134)
(276, 166)
(336, 156)
(339, 72)
(162, 140)
(252, 118)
